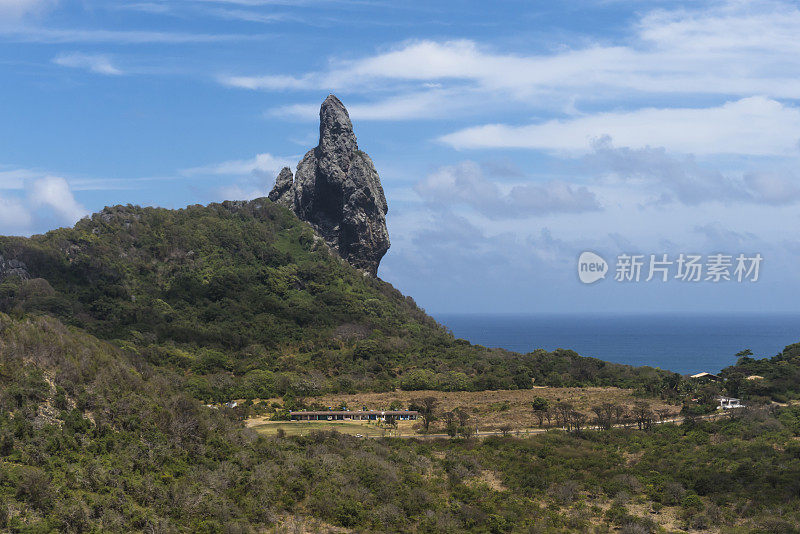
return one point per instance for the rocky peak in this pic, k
(336, 137)
(338, 191)
(283, 184)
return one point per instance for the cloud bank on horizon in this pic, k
(508, 138)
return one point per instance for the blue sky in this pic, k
(509, 136)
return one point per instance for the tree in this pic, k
(466, 431)
(620, 413)
(462, 415)
(577, 420)
(427, 410)
(505, 429)
(605, 413)
(391, 422)
(540, 403)
(450, 424)
(540, 407)
(744, 357)
(734, 381)
(540, 415)
(562, 413)
(463, 418)
(643, 415)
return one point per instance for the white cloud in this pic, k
(754, 126)
(245, 178)
(14, 216)
(736, 25)
(261, 164)
(410, 106)
(145, 7)
(731, 50)
(276, 82)
(34, 34)
(33, 201)
(17, 8)
(12, 179)
(466, 184)
(53, 192)
(773, 188)
(98, 63)
(665, 178)
(247, 15)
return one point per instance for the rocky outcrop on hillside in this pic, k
(12, 267)
(337, 190)
(283, 184)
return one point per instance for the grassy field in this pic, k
(301, 428)
(489, 409)
(493, 409)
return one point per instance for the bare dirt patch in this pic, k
(491, 479)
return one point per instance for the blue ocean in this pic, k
(683, 343)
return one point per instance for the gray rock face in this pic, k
(337, 190)
(282, 185)
(13, 268)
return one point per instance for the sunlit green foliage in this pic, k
(93, 438)
(243, 298)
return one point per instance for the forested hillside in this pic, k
(776, 378)
(94, 438)
(246, 301)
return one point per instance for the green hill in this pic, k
(95, 439)
(112, 327)
(246, 301)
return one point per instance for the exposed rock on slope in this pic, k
(337, 190)
(283, 186)
(12, 267)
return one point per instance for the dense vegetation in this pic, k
(247, 302)
(94, 438)
(126, 320)
(776, 378)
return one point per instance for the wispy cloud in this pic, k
(670, 178)
(733, 49)
(432, 104)
(144, 7)
(98, 63)
(278, 82)
(247, 15)
(243, 179)
(755, 126)
(261, 164)
(36, 34)
(255, 3)
(466, 184)
(12, 9)
(14, 216)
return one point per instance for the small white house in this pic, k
(726, 403)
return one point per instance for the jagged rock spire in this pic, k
(338, 191)
(282, 184)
